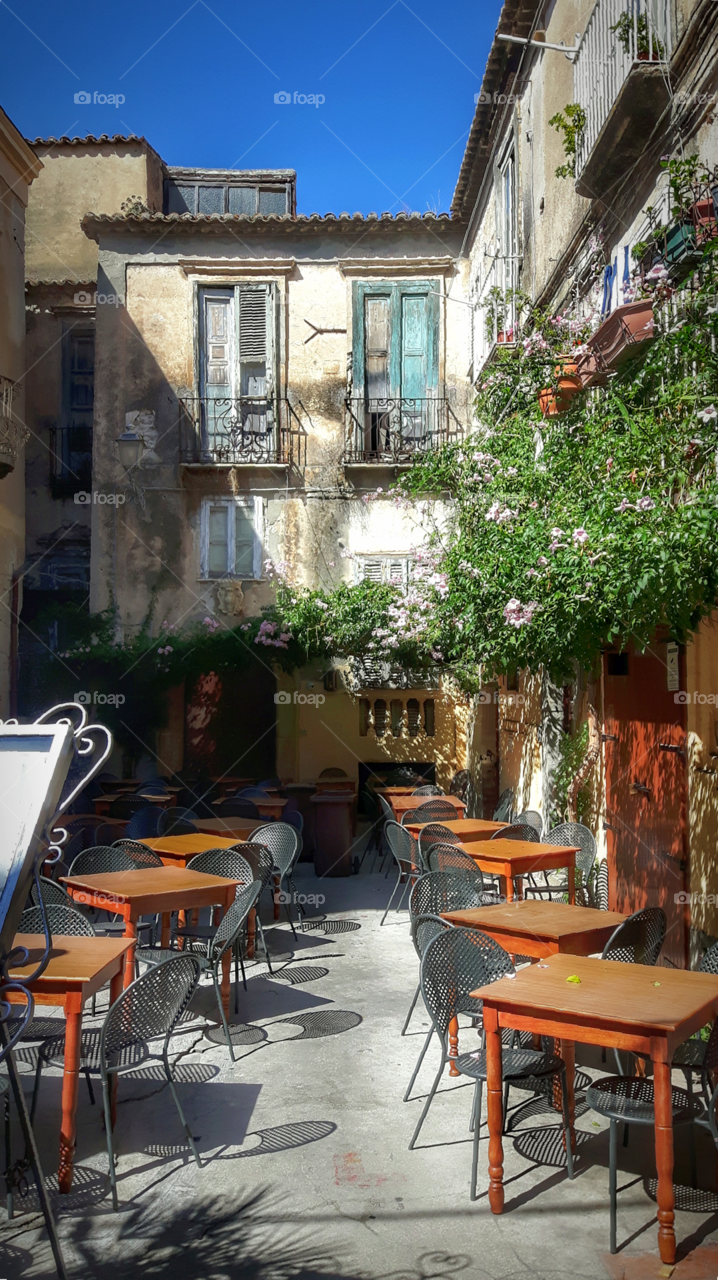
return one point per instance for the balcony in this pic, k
(395, 432)
(240, 431)
(621, 81)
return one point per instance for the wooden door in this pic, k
(645, 742)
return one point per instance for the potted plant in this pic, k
(635, 38)
(557, 399)
(624, 334)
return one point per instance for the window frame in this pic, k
(395, 291)
(386, 559)
(282, 187)
(253, 502)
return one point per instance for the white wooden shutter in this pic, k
(217, 355)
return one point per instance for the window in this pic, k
(396, 569)
(380, 717)
(390, 718)
(236, 371)
(397, 717)
(71, 442)
(221, 197)
(413, 717)
(231, 538)
(395, 365)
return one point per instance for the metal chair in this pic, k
(402, 777)
(176, 821)
(432, 810)
(690, 1056)
(231, 864)
(556, 890)
(460, 784)
(371, 807)
(282, 841)
(226, 936)
(601, 890)
(252, 793)
(62, 919)
(455, 963)
(405, 852)
(434, 833)
(423, 930)
(429, 791)
(639, 939)
(100, 860)
(709, 1076)
(630, 1099)
(271, 784)
(432, 895)
(446, 857)
(530, 818)
(105, 834)
(144, 823)
(52, 893)
(504, 809)
(517, 831)
(140, 854)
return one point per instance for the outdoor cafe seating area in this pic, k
(519, 971)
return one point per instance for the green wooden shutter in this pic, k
(243, 542)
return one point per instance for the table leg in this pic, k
(70, 1081)
(130, 932)
(567, 1050)
(251, 932)
(664, 1160)
(495, 1108)
(115, 992)
(507, 887)
(572, 884)
(453, 1046)
(165, 930)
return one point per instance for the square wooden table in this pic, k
(538, 929)
(76, 970)
(388, 792)
(466, 828)
(102, 803)
(401, 804)
(239, 828)
(509, 858)
(635, 1007)
(176, 851)
(154, 891)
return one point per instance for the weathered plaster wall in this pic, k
(702, 768)
(77, 178)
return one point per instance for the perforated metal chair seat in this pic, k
(523, 1067)
(631, 1099)
(90, 1058)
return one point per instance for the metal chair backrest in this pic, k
(404, 847)
(446, 857)
(151, 1006)
(100, 860)
(252, 793)
(259, 858)
(105, 834)
(602, 886)
(236, 809)
(440, 891)
(386, 808)
(517, 831)
(282, 841)
(61, 919)
(504, 809)
(171, 820)
(401, 778)
(429, 791)
(140, 854)
(434, 809)
(639, 939)
(222, 862)
(435, 833)
(144, 823)
(425, 928)
(51, 893)
(460, 784)
(232, 922)
(530, 818)
(455, 964)
(575, 833)
(709, 963)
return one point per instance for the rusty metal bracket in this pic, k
(318, 331)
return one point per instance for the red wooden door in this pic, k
(645, 740)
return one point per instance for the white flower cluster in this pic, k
(517, 614)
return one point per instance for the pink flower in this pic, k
(624, 506)
(542, 560)
(557, 533)
(645, 504)
(579, 536)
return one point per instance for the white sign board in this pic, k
(672, 673)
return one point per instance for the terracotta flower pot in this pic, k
(623, 334)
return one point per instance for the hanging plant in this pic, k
(571, 123)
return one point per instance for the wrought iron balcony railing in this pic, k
(397, 430)
(238, 430)
(620, 35)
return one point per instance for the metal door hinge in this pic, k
(609, 737)
(671, 746)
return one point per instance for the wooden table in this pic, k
(466, 828)
(77, 969)
(271, 808)
(388, 792)
(509, 858)
(102, 803)
(239, 828)
(154, 891)
(634, 1007)
(401, 804)
(334, 784)
(539, 929)
(176, 851)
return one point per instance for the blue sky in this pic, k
(199, 81)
